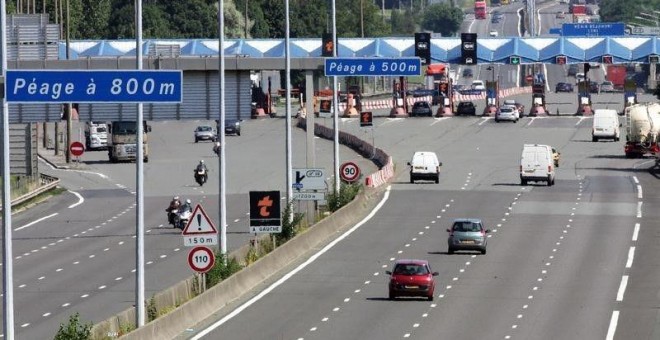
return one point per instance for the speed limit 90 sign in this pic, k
(349, 172)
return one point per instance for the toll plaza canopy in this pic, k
(446, 50)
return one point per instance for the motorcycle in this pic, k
(182, 217)
(216, 149)
(200, 176)
(171, 216)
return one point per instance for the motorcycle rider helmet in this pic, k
(201, 161)
(188, 201)
(175, 198)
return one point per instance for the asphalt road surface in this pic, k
(76, 252)
(570, 261)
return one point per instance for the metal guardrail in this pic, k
(45, 183)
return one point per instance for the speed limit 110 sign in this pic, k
(349, 172)
(201, 259)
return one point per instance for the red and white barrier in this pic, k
(381, 176)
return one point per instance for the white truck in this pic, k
(642, 129)
(96, 135)
(122, 144)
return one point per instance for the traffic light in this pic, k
(653, 59)
(586, 68)
(423, 47)
(607, 59)
(514, 60)
(468, 48)
(327, 45)
(560, 60)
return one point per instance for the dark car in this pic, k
(411, 278)
(232, 127)
(593, 87)
(467, 73)
(573, 69)
(466, 108)
(421, 108)
(564, 87)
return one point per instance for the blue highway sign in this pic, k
(82, 86)
(373, 67)
(594, 29)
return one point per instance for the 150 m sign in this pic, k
(78, 86)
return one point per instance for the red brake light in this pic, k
(549, 168)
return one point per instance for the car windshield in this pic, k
(421, 104)
(411, 269)
(204, 128)
(506, 109)
(466, 226)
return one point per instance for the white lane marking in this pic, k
(638, 165)
(531, 121)
(635, 232)
(622, 288)
(639, 191)
(80, 199)
(294, 271)
(35, 222)
(613, 322)
(639, 209)
(580, 120)
(483, 120)
(631, 257)
(635, 179)
(45, 315)
(438, 120)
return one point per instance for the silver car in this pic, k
(507, 112)
(607, 86)
(205, 132)
(467, 234)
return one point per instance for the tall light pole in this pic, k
(69, 106)
(287, 66)
(221, 130)
(335, 121)
(139, 182)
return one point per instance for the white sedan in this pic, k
(506, 112)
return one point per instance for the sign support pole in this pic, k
(139, 165)
(221, 132)
(335, 120)
(289, 171)
(8, 258)
(309, 107)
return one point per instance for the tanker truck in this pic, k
(642, 127)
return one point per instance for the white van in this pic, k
(606, 125)
(424, 165)
(96, 135)
(536, 164)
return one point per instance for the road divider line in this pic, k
(80, 199)
(635, 179)
(613, 322)
(639, 191)
(639, 209)
(635, 232)
(622, 288)
(294, 271)
(35, 222)
(631, 257)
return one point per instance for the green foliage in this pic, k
(152, 312)
(347, 193)
(443, 19)
(74, 330)
(402, 25)
(289, 225)
(221, 270)
(625, 11)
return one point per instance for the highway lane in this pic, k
(83, 257)
(557, 252)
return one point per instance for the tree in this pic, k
(401, 23)
(443, 19)
(308, 18)
(349, 22)
(94, 25)
(625, 11)
(74, 330)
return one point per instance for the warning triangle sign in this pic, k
(199, 223)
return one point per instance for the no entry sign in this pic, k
(77, 148)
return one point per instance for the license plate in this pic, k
(467, 242)
(599, 129)
(130, 149)
(412, 287)
(419, 168)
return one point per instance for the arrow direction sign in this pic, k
(309, 179)
(200, 230)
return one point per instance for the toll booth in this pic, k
(492, 99)
(538, 100)
(445, 98)
(629, 94)
(399, 98)
(584, 99)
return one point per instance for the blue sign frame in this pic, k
(594, 29)
(373, 67)
(97, 86)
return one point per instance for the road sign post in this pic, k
(201, 259)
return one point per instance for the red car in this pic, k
(411, 278)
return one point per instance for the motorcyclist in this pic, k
(201, 166)
(186, 206)
(174, 205)
(216, 148)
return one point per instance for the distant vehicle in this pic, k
(563, 87)
(577, 9)
(421, 108)
(593, 87)
(495, 3)
(467, 234)
(537, 164)
(467, 73)
(606, 125)
(122, 141)
(520, 107)
(493, 33)
(642, 129)
(233, 127)
(607, 86)
(507, 112)
(478, 85)
(480, 9)
(466, 108)
(205, 132)
(495, 20)
(424, 165)
(96, 135)
(556, 155)
(458, 87)
(579, 77)
(617, 74)
(560, 15)
(411, 278)
(573, 69)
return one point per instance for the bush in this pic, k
(74, 330)
(289, 228)
(221, 270)
(347, 193)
